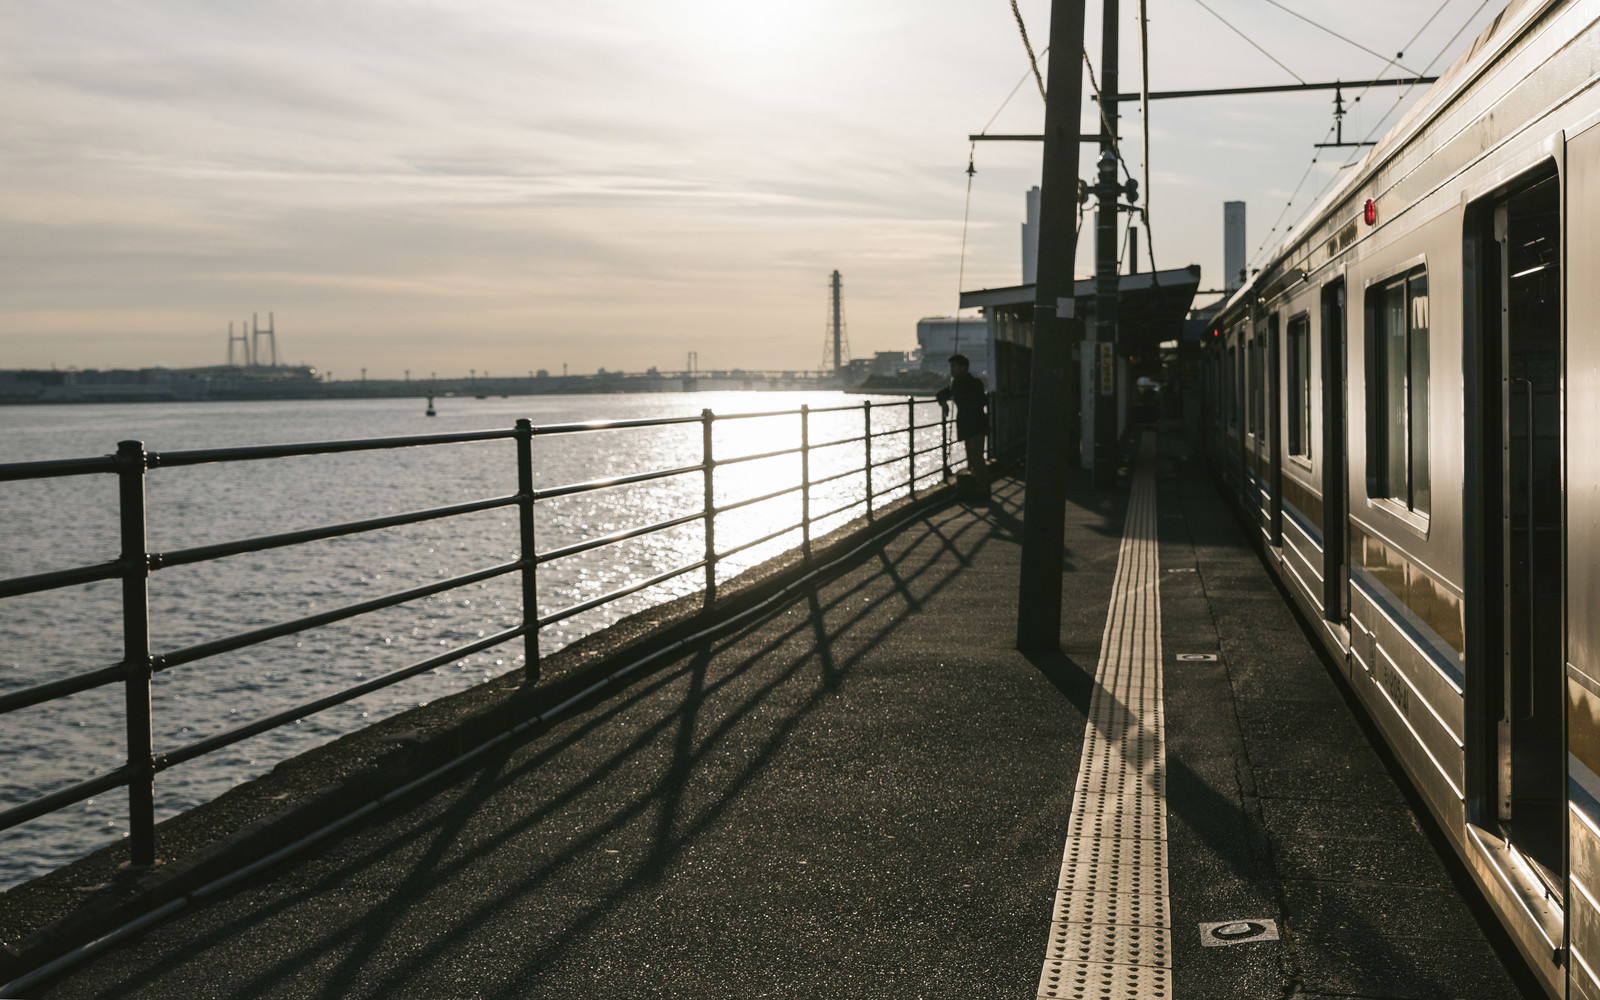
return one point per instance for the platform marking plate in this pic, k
(1110, 930)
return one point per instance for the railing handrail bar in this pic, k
(19, 585)
(739, 459)
(610, 425)
(841, 408)
(633, 588)
(752, 543)
(63, 797)
(759, 415)
(216, 742)
(604, 484)
(204, 553)
(16, 471)
(258, 452)
(834, 513)
(202, 650)
(752, 501)
(617, 536)
(50, 690)
(56, 467)
(835, 443)
(837, 475)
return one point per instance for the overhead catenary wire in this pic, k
(1356, 152)
(1406, 92)
(1252, 41)
(1267, 239)
(1002, 107)
(1347, 41)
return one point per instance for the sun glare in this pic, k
(750, 38)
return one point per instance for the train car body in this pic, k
(1406, 402)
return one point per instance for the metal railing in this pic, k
(893, 462)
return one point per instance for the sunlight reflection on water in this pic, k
(62, 523)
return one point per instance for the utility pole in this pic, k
(1106, 277)
(1054, 401)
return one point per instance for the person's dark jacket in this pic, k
(972, 418)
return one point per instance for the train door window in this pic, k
(1397, 417)
(1257, 371)
(1299, 386)
(1234, 382)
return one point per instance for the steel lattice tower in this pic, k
(835, 345)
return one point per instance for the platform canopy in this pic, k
(1151, 306)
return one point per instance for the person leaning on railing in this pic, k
(972, 418)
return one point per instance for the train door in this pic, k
(1335, 463)
(1520, 383)
(1259, 474)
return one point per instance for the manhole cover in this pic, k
(1197, 657)
(1238, 932)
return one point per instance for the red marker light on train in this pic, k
(1370, 213)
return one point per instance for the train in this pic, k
(1405, 401)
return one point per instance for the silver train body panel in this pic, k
(1406, 404)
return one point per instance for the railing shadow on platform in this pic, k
(662, 719)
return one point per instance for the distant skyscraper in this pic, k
(1232, 244)
(1030, 240)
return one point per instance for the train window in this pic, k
(1397, 417)
(1299, 386)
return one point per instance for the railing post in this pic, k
(132, 464)
(709, 462)
(530, 551)
(911, 447)
(944, 445)
(866, 416)
(805, 479)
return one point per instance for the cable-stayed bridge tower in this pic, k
(243, 340)
(256, 333)
(249, 341)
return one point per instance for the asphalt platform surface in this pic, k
(866, 794)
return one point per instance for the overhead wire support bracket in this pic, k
(1024, 137)
(1284, 88)
(1338, 126)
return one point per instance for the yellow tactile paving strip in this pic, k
(1110, 932)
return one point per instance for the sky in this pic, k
(420, 187)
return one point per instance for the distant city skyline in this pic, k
(505, 187)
